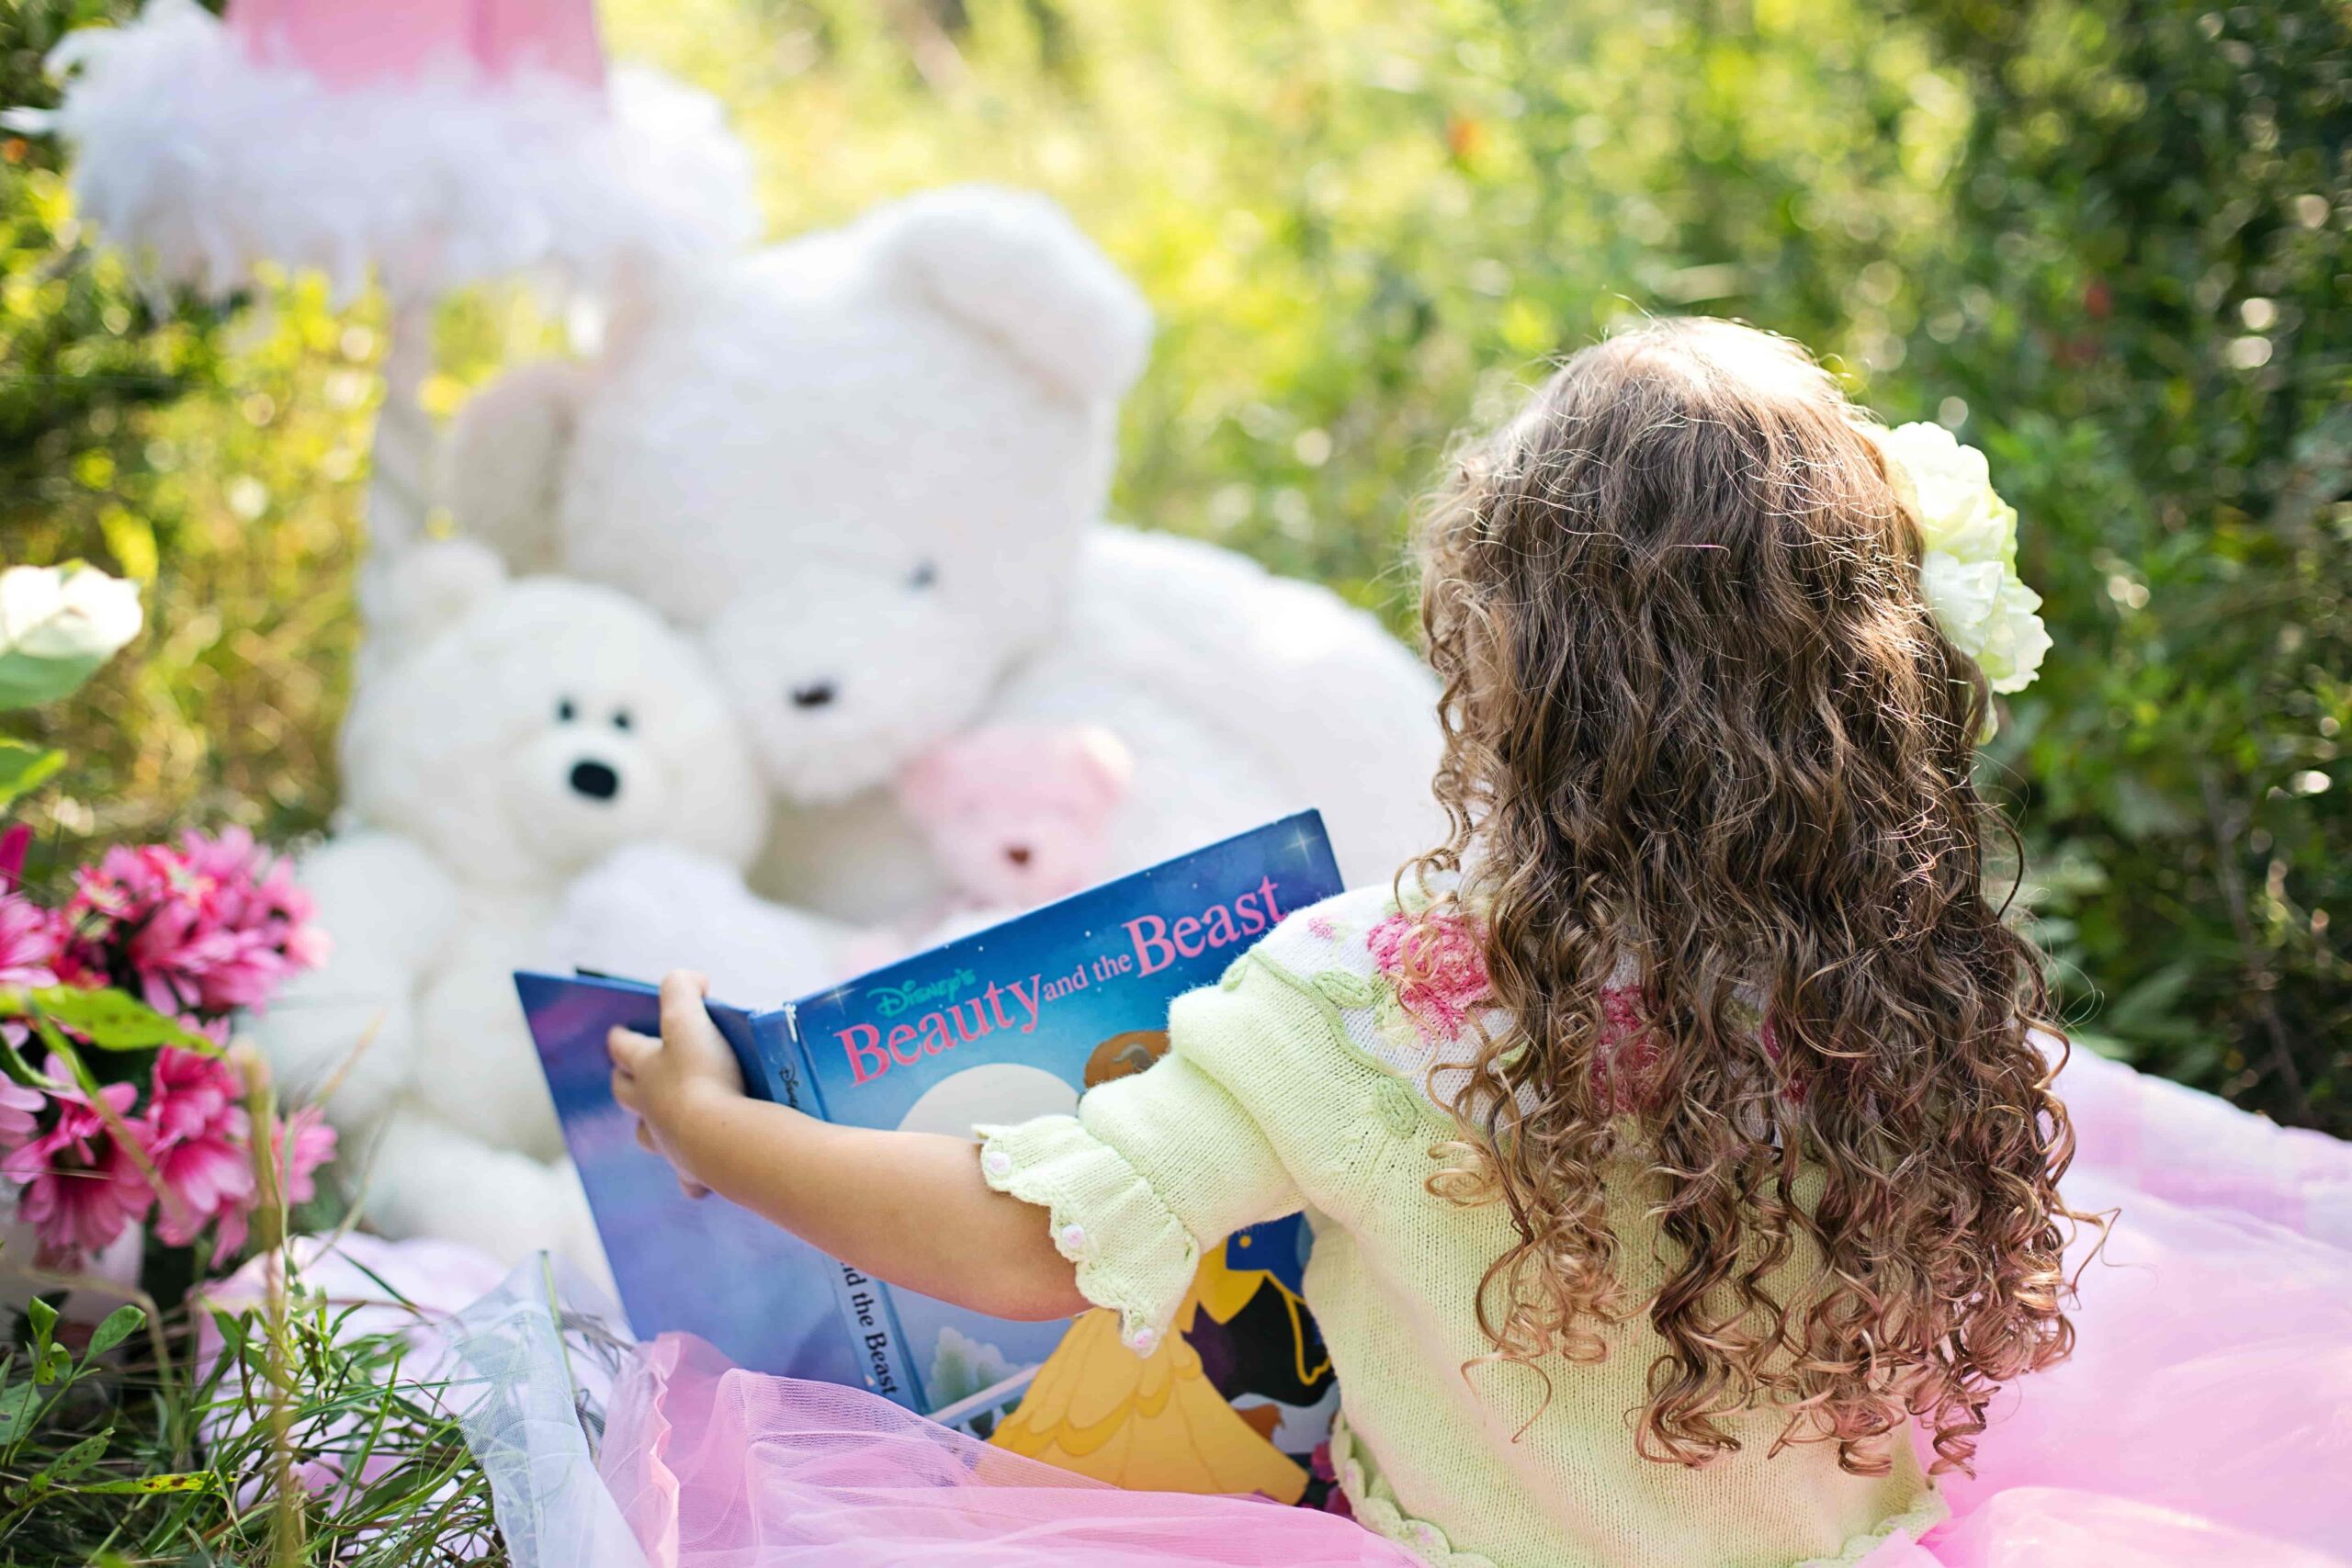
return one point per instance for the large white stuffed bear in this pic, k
(511, 735)
(868, 467)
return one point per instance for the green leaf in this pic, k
(184, 1480)
(115, 1020)
(27, 681)
(43, 1318)
(119, 1326)
(78, 1457)
(51, 1364)
(19, 1404)
(24, 769)
(1348, 990)
(232, 1332)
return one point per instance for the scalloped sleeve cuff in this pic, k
(1133, 1255)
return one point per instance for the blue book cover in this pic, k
(700, 1266)
(1012, 1021)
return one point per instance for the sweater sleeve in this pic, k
(1152, 1170)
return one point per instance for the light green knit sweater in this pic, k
(1304, 1081)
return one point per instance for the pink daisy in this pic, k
(14, 843)
(20, 1110)
(202, 1180)
(302, 1144)
(29, 944)
(81, 1187)
(192, 1093)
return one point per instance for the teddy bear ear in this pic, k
(427, 588)
(505, 457)
(1012, 265)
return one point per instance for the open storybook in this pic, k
(1009, 1023)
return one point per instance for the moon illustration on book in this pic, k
(998, 1092)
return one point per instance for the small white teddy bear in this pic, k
(509, 736)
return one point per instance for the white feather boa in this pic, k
(208, 162)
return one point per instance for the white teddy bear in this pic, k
(868, 468)
(510, 736)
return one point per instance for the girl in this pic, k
(1678, 1135)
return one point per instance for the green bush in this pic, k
(282, 1433)
(215, 463)
(2147, 308)
(2103, 238)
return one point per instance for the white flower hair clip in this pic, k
(1969, 568)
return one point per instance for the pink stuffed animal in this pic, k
(1018, 815)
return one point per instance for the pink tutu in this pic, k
(2205, 1418)
(715, 1467)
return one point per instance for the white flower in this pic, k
(1989, 613)
(1948, 487)
(1963, 597)
(1968, 552)
(58, 624)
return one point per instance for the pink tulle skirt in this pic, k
(2205, 1418)
(721, 1467)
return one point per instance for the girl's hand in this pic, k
(910, 1208)
(670, 1082)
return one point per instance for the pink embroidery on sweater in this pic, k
(1438, 965)
(1625, 1065)
(1772, 1050)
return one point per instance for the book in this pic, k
(1011, 1022)
(702, 1267)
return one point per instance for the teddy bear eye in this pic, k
(621, 719)
(564, 712)
(923, 575)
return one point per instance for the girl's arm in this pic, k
(908, 1208)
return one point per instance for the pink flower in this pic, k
(204, 1179)
(19, 1109)
(80, 1186)
(1626, 1060)
(230, 858)
(202, 1148)
(1772, 1051)
(1438, 964)
(198, 931)
(299, 1144)
(125, 883)
(304, 1143)
(13, 845)
(256, 892)
(30, 942)
(192, 1095)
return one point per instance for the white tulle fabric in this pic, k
(208, 162)
(2200, 1424)
(527, 1375)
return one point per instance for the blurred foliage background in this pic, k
(2102, 239)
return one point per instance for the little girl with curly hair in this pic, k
(1677, 1136)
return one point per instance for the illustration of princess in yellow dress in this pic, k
(1157, 1421)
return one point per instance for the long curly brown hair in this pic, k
(1701, 723)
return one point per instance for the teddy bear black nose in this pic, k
(1017, 854)
(596, 780)
(815, 695)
